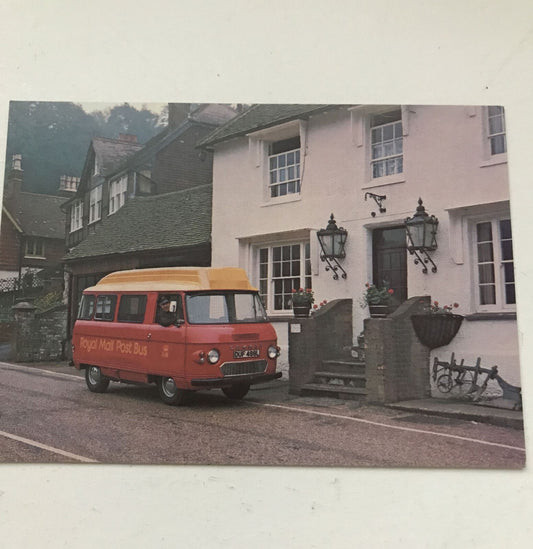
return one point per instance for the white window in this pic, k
(34, 248)
(283, 268)
(95, 208)
(496, 130)
(386, 140)
(284, 167)
(117, 194)
(495, 269)
(76, 216)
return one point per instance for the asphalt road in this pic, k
(50, 416)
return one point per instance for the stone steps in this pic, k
(333, 391)
(342, 378)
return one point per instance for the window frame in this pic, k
(76, 216)
(110, 317)
(282, 159)
(35, 243)
(95, 204)
(90, 299)
(140, 317)
(395, 139)
(118, 189)
(494, 135)
(229, 303)
(498, 262)
(266, 284)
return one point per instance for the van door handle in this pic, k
(149, 336)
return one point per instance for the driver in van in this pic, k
(165, 316)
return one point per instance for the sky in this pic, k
(92, 106)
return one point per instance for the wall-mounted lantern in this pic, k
(422, 236)
(332, 240)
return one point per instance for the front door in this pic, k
(389, 256)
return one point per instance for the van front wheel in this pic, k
(96, 381)
(169, 393)
(236, 392)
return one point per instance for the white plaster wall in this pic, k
(445, 163)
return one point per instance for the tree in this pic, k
(53, 137)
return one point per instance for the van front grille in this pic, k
(243, 368)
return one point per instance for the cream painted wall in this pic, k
(445, 162)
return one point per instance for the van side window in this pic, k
(175, 309)
(105, 307)
(132, 308)
(86, 308)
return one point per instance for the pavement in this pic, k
(495, 412)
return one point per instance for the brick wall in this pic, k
(38, 336)
(397, 364)
(9, 245)
(181, 165)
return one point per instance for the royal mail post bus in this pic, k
(183, 328)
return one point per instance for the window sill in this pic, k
(495, 160)
(282, 200)
(491, 316)
(386, 180)
(41, 257)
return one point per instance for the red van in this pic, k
(184, 328)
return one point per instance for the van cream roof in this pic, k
(175, 279)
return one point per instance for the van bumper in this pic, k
(249, 379)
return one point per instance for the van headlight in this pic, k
(272, 352)
(212, 356)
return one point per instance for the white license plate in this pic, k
(249, 353)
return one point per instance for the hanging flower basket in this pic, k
(301, 311)
(436, 330)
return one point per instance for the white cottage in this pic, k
(281, 170)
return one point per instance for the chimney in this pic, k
(178, 113)
(128, 137)
(68, 184)
(13, 184)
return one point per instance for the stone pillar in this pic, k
(22, 337)
(326, 334)
(397, 364)
(303, 360)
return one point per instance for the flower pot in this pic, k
(436, 330)
(379, 311)
(301, 311)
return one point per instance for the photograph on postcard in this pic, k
(258, 284)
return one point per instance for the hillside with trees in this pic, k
(53, 137)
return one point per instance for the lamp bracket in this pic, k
(333, 265)
(423, 260)
(378, 199)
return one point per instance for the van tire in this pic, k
(169, 393)
(96, 381)
(236, 392)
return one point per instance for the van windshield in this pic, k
(224, 307)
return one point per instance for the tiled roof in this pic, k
(38, 214)
(112, 153)
(213, 113)
(173, 220)
(258, 117)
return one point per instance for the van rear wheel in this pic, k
(169, 393)
(236, 392)
(96, 381)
